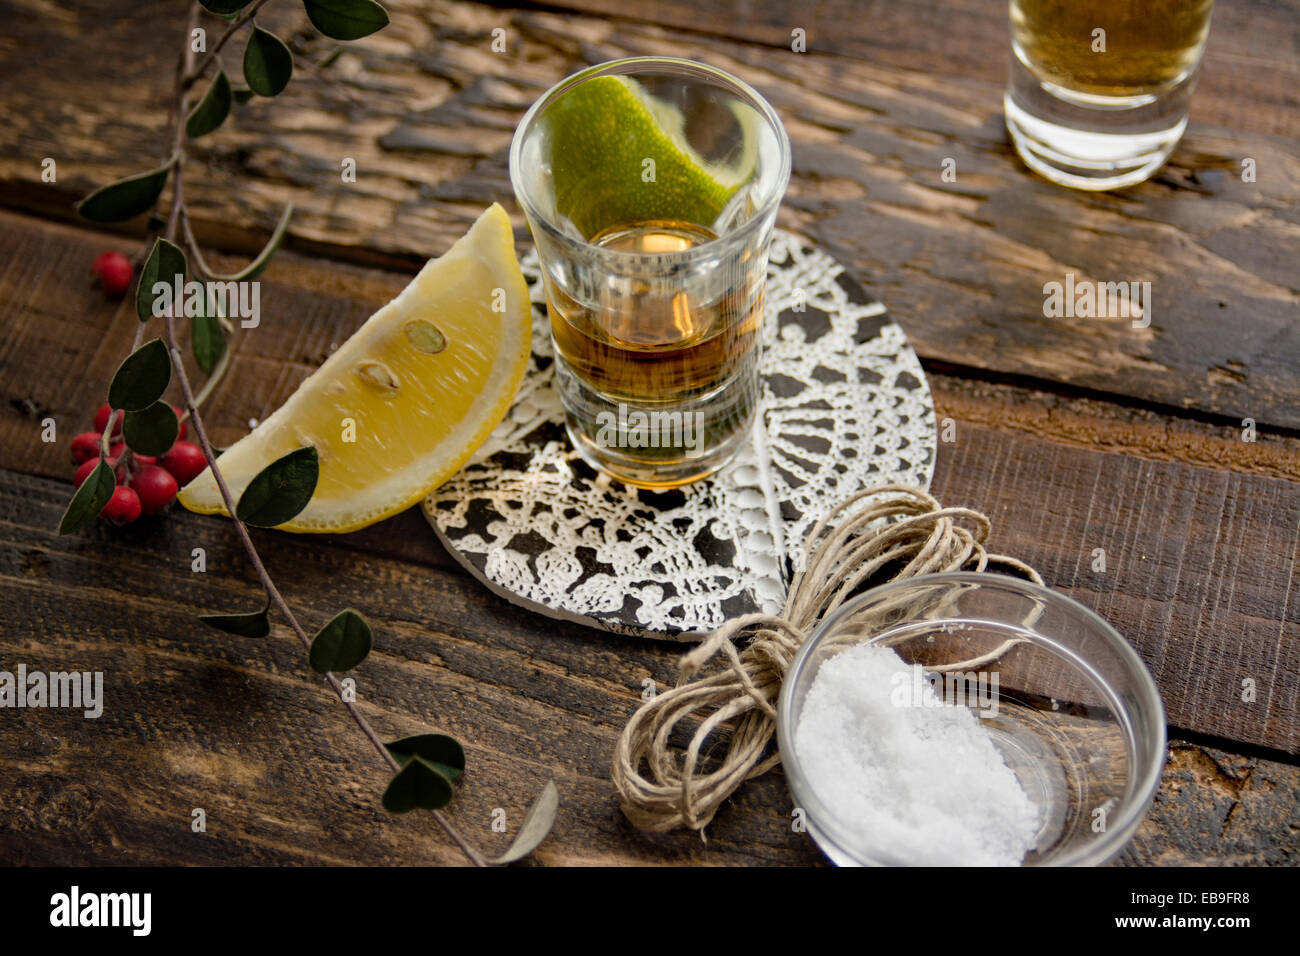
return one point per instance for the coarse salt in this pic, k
(922, 783)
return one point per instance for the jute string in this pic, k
(660, 791)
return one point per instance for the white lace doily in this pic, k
(845, 405)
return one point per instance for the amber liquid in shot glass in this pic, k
(656, 318)
(689, 366)
(1099, 89)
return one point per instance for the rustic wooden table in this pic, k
(1071, 434)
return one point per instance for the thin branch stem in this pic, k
(178, 220)
(192, 245)
(205, 267)
(190, 78)
(214, 379)
(274, 593)
(177, 129)
(242, 530)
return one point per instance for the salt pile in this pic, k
(923, 783)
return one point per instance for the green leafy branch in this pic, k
(425, 767)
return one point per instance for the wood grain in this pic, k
(240, 728)
(1071, 435)
(1097, 425)
(1250, 77)
(1201, 562)
(1200, 566)
(427, 111)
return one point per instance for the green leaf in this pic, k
(166, 261)
(255, 624)
(418, 784)
(212, 109)
(280, 490)
(341, 644)
(141, 378)
(89, 500)
(242, 94)
(152, 431)
(268, 64)
(441, 751)
(126, 198)
(537, 824)
(223, 7)
(346, 19)
(207, 339)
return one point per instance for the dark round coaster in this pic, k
(845, 406)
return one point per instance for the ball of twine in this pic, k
(892, 531)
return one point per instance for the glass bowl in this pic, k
(1077, 716)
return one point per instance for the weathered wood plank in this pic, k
(1201, 561)
(965, 39)
(1200, 566)
(1103, 426)
(240, 727)
(427, 109)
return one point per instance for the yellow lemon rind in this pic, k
(202, 496)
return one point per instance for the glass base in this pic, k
(1092, 142)
(655, 474)
(659, 444)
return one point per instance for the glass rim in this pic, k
(665, 65)
(1144, 785)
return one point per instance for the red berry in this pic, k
(155, 487)
(123, 507)
(114, 272)
(115, 452)
(185, 461)
(101, 420)
(85, 447)
(184, 427)
(84, 471)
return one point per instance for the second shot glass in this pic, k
(1099, 89)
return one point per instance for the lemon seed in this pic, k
(379, 376)
(425, 336)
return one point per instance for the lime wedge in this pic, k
(619, 155)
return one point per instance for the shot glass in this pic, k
(651, 187)
(1099, 89)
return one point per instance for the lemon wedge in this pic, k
(402, 404)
